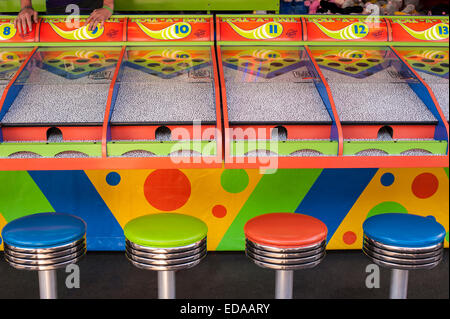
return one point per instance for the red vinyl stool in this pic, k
(285, 242)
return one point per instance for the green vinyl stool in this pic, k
(165, 243)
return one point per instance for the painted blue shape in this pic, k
(44, 230)
(322, 90)
(72, 192)
(422, 92)
(404, 230)
(333, 195)
(387, 179)
(113, 179)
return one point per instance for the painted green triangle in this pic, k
(20, 196)
(279, 192)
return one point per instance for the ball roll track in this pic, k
(40, 259)
(166, 259)
(279, 99)
(439, 86)
(146, 98)
(285, 258)
(376, 97)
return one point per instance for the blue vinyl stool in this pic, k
(403, 242)
(44, 242)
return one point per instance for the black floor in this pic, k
(227, 275)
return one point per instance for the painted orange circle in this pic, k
(425, 185)
(219, 211)
(167, 189)
(349, 238)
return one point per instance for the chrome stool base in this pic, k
(401, 260)
(46, 261)
(166, 261)
(285, 261)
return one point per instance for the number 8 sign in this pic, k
(7, 31)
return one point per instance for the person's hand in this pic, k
(24, 21)
(98, 16)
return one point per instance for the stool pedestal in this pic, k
(166, 285)
(399, 284)
(284, 284)
(166, 243)
(285, 261)
(166, 261)
(285, 242)
(44, 243)
(403, 242)
(47, 284)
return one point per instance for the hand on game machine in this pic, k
(314, 5)
(24, 21)
(99, 16)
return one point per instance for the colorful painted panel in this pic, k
(61, 29)
(424, 29)
(260, 28)
(193, 28)
(346, 29)
(8, 32)
(226, 199)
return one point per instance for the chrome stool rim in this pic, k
(167, 262)
(284, 261)
(165, 268)
(46, 250)
(166, 259)
(287, 250)
(142, 254)
(56, 254)
(45, 258)
(44, 262)
(403, 261)
(44, 267)
(176, 255)
(270, 254)
(289, 267)
(391, 265)
(163, 250)
(403, 258)
(390, 253)
(294, 258)
(408, 250)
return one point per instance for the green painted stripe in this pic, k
(20, 196)
(207, 148)
(282, 191)
(446, 171)
(395, 147)
(51, 149)
(240, 148)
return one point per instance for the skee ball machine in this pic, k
(337, 93)
(106, 101)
